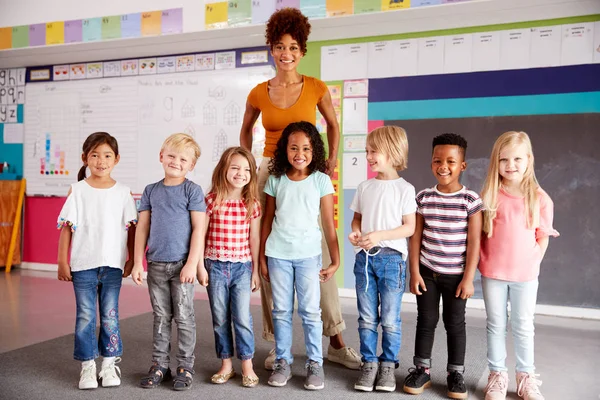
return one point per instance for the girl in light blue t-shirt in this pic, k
(297, 191)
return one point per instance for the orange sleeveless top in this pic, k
(275, 119)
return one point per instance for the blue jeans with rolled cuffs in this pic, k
(171, 300)
(97, 286)
(229, 289)
(380, 280)
(301, 275)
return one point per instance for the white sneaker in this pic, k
(270, 360)
(346, 356)
(110, 374)
(87, 377)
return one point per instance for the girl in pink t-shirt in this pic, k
(517, 222)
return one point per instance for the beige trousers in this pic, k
(331, 313)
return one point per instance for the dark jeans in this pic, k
(428, 306)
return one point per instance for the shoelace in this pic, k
(278, 367)
(385, 371)
(413, 374)
(88, 372)
(313, 368)
(367, 254)
(111, 371)
(529, 385)
(495, 384)
(350, 351)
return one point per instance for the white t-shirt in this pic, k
(99, 219)
(382, 203)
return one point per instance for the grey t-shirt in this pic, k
(170, 221)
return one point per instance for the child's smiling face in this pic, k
(447, 162)
(299, 151)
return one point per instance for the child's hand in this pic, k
(255, 284)
(127, 269)
(137, 274)
(264, 270)
(64, 272)
(202, 276)
(327, 273)
(188, 274)
(416, 281)
(354, 238)
(369, 240)
(465, 289)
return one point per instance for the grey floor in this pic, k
(35, 308)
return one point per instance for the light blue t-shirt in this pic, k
(170, 220)
(295, 233)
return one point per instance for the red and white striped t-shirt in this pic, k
(228, 236)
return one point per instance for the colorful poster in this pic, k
(20, 36)
(111, 27)
(5, 38)
(185, 63)
(55, 33)
(388, 5)
(37, 35)
(112, 68)
(77, 71)
(205, 62)
(129, 67)
(92, 29)
(172, 21)
(73, 31)
(151, 22)
(131, 25)
(339, 7)
(262, 10)
(215, 15)
(239, 12)
(279, 4)
(366, 6)
(147, 66)
(165, 65)
(313, 8)
(225, 60)
(94, 70)
(61, 73)
(255, 57)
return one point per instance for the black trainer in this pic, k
(416, 381)
(456, 386)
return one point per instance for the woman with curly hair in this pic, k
(292, 97)
(297, 192)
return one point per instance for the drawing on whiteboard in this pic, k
(220, 145)
(147, 110)
(168, 103)
(217, 93)
(209, 114)
(232, 114)
(188, 110)
(105, 89)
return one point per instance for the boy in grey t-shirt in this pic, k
(171, 223)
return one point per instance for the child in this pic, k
(171, 223)
(232, 246)
(297, 191)
(443, 258)
(94, 222)
(517, 223)
(384, 216)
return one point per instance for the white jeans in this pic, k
(522, 296)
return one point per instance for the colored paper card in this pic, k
(111, 27)
(205, 62)
(5, 38)
(55, 33)
(94, 70)
(431, 55)
(151, 23)
(239, 12)
(129, 67)
(366, 6)
(74, 31)
(20, 36)
(77, 71)
(313, 8)
(486, 51)
(356, 88)
(458, 53)
(424, 3)
(545, 46)
(37, 35)
(354, 170)
(335, 8)
(172, 21)
(597, 42)
(577, 44)
(225, 60)
(147, 66)
(279, 4)
(112, 68)
(262, 10)
(355, 143)
(92, 29)
(255, 57)
(131, 25)
(165, 65)
(453, 1)
(388, 5)
(515, 49)
(354, 118)
(60, 73)
(185, 63)
(13, 133)
(215, 15)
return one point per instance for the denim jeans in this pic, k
(428, 314)
(380, 283)
(302, 276)
(171, 300)
(101, 285)
(522, 296)
(229, 288)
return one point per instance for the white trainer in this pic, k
(346, 356)
(87, 377)
(110, 374)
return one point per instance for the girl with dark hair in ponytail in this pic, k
(95, 223)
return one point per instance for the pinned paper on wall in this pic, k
(354, 117)
(147, 66)
(262, 10)
(545, 47)
(366, 6)
(336, 8)
(239, 12)
(92, 29)
(94, 70)
(356, 88)
(37, 35)
(112, 68)
(129, 67)
(458, 52)
(422, 3)
(172, 21)
(61, 73)
(279, 4)
(184, 63)
(313, 8)
(55, 33)
(5, 38)
(151, 22)
(111, 27)
(388, 5)
(131, 25)
(486, 51)
(355, 143)
(74, 31)
(515, 49)
(13, 133)
(205, 62)
(225, 60)
(20, 36)
(165, 65)
(77, 71)
(215, 15)
(431, 55)
(354, 170)
(577, 44)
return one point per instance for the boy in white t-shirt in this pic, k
(384, 216)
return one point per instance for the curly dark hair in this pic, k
(290, 21)
(279, 164)
(452, 139)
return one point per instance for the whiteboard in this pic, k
(140, 112)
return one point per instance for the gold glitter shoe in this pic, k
(249, 381)
(222, 378)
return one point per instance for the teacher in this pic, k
(292, 97)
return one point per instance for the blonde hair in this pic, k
(220, 186)
(529, 184)
(392, 142)
(181, 142)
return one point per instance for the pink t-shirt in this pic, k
(512, 253)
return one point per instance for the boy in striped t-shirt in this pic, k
(443, 255)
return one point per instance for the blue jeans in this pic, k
(101, 285)
(303, 276)
(229, 288)
(522, 296)
(381, 283)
